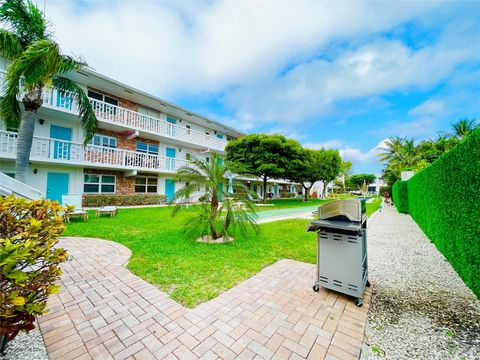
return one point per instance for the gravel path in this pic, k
(421, 308)
(26, 347)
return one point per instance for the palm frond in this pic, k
(69, 63)
(9, 106)
(85, 109)
(11, 46)
(24, 20)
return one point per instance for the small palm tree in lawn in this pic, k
(35, 62)
(220, 212)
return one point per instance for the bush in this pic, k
(123, 200)
(285, 195)
(29, 265)
(444, 200)
(400, 196)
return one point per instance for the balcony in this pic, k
(133, 120)
(46, 150)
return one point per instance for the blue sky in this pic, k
(345, 75)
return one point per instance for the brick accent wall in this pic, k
(123, 143)
(124, 185)
(127, 104)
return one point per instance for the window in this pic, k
(207, 159)
(147, 148)
(149, 112)
(146, 184)
(105, 141)
(105, 98)
(188, 156)
(96, 183)
(188, 127)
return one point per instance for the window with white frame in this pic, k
(103, 140)
(147, 148)
(101, 97)
(99, 184)
(146, 184)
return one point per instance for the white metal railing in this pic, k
(132, 119)
(128, 118)
(54, 150)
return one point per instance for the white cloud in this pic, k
(428, 107)
(356, 155)
(170, 48)
(423, 126)
(329, 144)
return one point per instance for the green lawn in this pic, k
(192, 272)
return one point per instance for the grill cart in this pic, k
(342, 247)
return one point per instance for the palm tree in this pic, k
(220, 210)
(464, 127)
(35, 62)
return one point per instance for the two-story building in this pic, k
(140, 142)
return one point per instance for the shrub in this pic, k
(444, 200)
(123, 200)
(400, 196)
(29, 263)
(285, 195)
(386, 191)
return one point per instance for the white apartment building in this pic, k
(140, 142)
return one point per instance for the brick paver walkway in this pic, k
(104, 311)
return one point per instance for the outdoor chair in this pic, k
(74, 201)
(106, 210)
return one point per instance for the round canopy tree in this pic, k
(264, 156)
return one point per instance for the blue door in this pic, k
(57, 185)
(219, 136)
(275, 189)
(61, 149)
(169, 189)
(170, 159)
(171, 128)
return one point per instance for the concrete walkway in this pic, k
(421, 309)
(105, 312)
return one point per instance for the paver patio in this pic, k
(105, 312)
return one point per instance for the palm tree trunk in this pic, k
(213, 216)
(24, 144)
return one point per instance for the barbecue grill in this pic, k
(342, 247)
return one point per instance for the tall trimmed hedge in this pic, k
(444, 200)
(400, 196)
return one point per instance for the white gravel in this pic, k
(26, 347)
(421, 309)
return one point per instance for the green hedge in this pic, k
(91, 200)
(444, 200)
(400, 196)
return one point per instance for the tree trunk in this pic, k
(24, 145)
(213, 215)
(32, 101)
(307, 190)
(324, 190)
(264, 189)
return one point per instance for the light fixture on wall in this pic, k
(35, 171)
(41, 121)
(179, 149)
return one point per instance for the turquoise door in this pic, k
(169, 189)
(57, 185)
(170, 159)
(64, 101)
(219, 136)
(171, 128)
(61, 149)
(220, 161)
(275, 189)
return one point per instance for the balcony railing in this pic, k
(53, 150)
(134, 120)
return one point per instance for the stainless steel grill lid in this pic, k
(350, 208)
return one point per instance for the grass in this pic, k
(192, 272)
